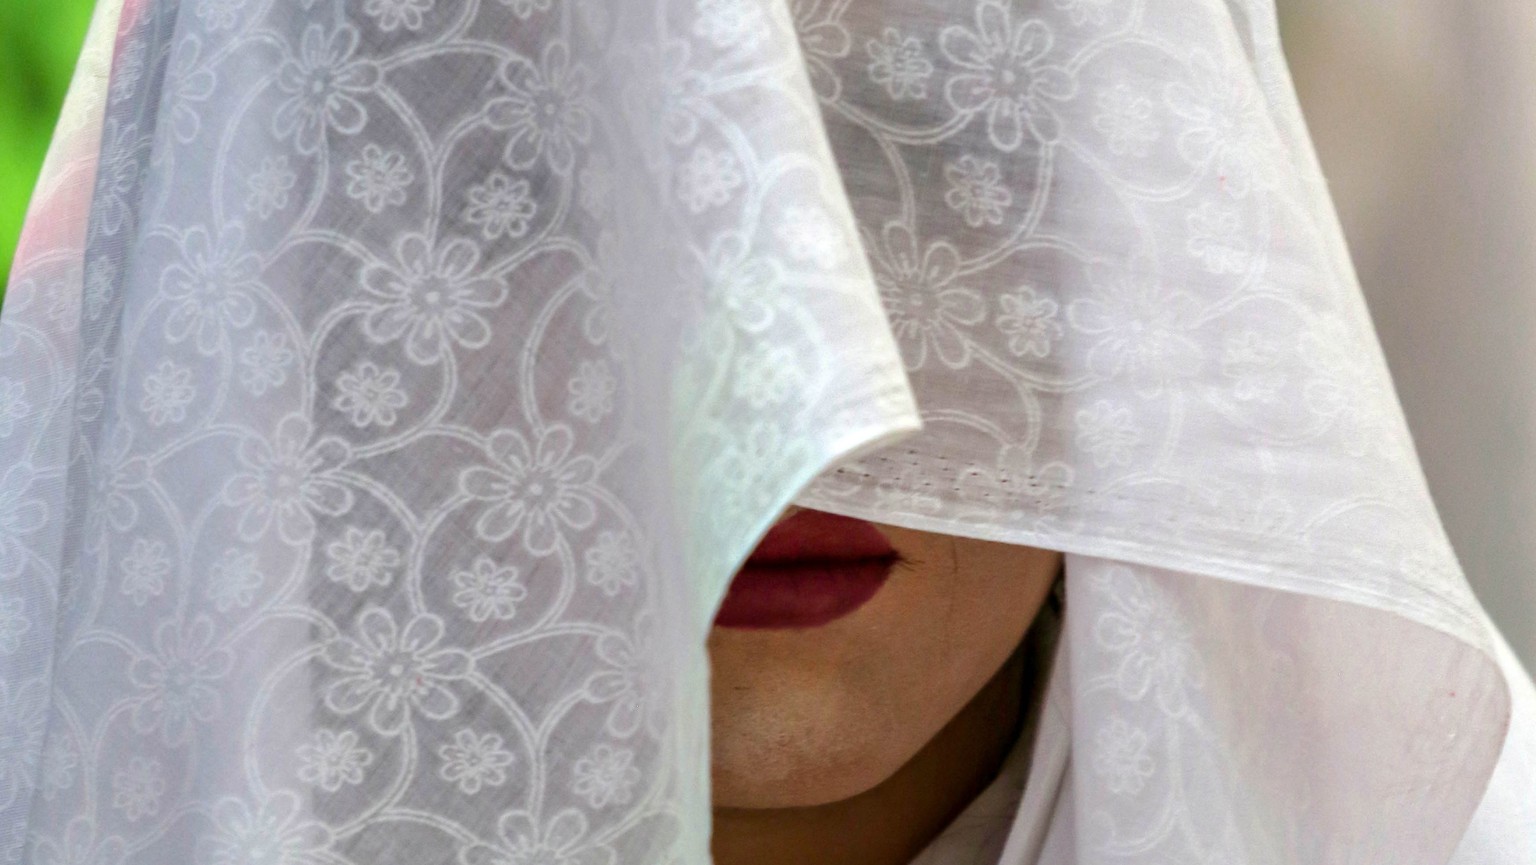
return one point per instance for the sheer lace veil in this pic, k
(389, 388)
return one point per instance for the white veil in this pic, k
(389, 389)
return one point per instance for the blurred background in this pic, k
(1424, 116)
(39, 41)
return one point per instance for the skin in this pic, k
(855, 743)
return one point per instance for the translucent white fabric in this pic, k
(1463, 134)
(381, 427)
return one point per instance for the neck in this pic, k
(891, 823)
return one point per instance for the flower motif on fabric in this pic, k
(1150, 640)
(137, 788)
(1339, 375)
(824, 40)
(976, 190)
(272, 830)
(80, 845)
(177, 683)
(60, 760)
(218, 14)
(117, 176)
(167, 393)
(548, 112)
(1217, 239)
(379, 178)
(209, 288)
(128, 69)
(591, 391)
(811, 235)
(708, 178)
(1143, 332)
(489, 590)
(1120, 757)
(739, 285)
(630, 682)
(325, 84)
(23, 715)
(391, 15)
(473, 761)
(501, 206)
(666, 85)
(431, 296)
(361, 559)
(63, 306)
(1028, 321)
(264, 363)
(268, 188)
(561, 841)
(730, 23)
(1125, 118)
(539, 492)
(14, 622)
(899, 64)
(613, 563)
(21, 292)
(116, 474)
(13, 405)
(19, 513)
(928, 312)
(769, 376)
(331, 759)
(1084, 11)
(144, 570)
(395, 672)
(1227, 126)
(233, 581)
(526, 8)
(753, 461)
(597, 288)
(369, 394)
(1004, 73)
(606, 775)
(1255, 365)
(187, 83)
(1108, 433)
(288, 480)
(100, 287)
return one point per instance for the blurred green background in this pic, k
(39, 42)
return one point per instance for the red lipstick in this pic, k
(808, 570)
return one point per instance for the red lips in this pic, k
(808, 570)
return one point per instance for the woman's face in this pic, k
(844, 646)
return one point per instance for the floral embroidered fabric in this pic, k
(389, 388)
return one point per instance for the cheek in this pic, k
(994, 592)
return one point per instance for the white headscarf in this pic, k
(381, 429)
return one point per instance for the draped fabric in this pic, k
(1467, 126)
(389, 389)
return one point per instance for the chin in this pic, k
(784, 776)
(802, 748)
